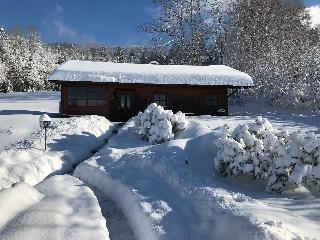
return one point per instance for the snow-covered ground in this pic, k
(163, 191)
(20, 112)
(22, 159)
(165, 198)
(281, 119)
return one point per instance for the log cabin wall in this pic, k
(193, 100)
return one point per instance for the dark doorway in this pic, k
(123, 106)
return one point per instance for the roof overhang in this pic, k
(116, 83)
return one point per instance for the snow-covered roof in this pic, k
(87, 71)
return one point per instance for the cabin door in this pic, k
(125, 105)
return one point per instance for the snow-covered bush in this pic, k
(242, 151)
(159, 125)
(256, 149)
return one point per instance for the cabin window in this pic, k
(160, 99)
(211, 101)
(86, 97)
(125, 101)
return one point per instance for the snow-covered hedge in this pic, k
(285, 159)
(158, 125)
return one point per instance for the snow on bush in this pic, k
(158, 125)
(286, 160)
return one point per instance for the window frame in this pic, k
(86, 97)
(126, 100)
(160, 101)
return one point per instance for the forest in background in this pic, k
(272, 40)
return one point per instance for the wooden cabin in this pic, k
(119, 91)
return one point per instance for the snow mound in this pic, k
(66, 210)
(15, 200)
(158, 125)
(285, 159)
(70, 141)
(164, 196)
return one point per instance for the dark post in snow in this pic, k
(45, 121)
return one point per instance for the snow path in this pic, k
(117, 223)
(113, 131)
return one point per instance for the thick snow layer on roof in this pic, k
(217, 75)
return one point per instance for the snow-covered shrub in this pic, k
(295, 161)
(242, 151)
(159, 125)
(256, 149)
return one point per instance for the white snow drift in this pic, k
(61, 207)
(70, 141)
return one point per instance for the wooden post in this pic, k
(45, 138)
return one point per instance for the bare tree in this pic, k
(188, 27)
(269, 39)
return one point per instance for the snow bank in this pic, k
(15, 200)
(63, 208)
(69, 142)
(286, 160)
(167, 190)
(158, 125)
(220, 75)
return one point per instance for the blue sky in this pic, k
(112, 22)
